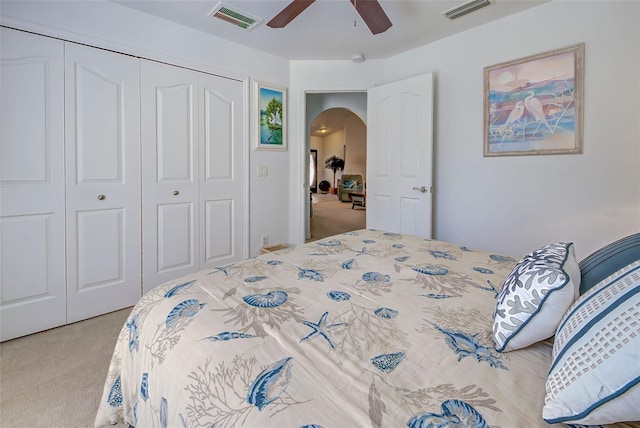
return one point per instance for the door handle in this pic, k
(422, 189)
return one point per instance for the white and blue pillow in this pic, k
(595, 373)
(535, 296)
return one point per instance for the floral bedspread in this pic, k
(365, 329)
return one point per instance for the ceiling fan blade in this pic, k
(286, 15)
(373, 15)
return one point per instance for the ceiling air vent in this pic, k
(234, 16)
(465, 8)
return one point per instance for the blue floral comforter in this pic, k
(366, 329)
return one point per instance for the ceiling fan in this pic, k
(370, 10)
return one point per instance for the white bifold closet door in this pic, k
(80, 194)
(32, 212)
(102, 127)
(222, 168)
(169, 172)
(193, 180)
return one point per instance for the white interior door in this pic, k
(169, 172)
(103, 181)
(32, 211)
(221, 186)
(399, 156)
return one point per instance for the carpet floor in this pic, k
(55, 378)
(331, 217)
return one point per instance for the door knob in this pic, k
(176, 193)
(101, 197)
(422, 189)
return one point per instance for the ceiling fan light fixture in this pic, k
(357, 57)
(465, 8)
(234, 16)
(370, 11)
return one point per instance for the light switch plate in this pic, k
(263, 171)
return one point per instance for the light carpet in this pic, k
(55, 378)
(332, 217)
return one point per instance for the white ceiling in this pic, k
(326, 29)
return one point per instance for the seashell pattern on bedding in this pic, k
(364, 329)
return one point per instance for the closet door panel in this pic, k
(103, 181)
(32, 211)
(100, 265)
(98, 130)
(222, 173)
(175, 232)
(218, 135)
(219, 229)
(171, 219)
(24, 256)
(175, 127)
(26, 154)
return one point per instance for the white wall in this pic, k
(353, 101)
(513, 204)
(356, 141)
(333, 145)
(111, 26)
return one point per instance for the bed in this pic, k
(364, 329)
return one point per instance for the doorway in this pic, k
(336, 131)
(405, 210)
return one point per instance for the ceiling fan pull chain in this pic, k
(355, 9)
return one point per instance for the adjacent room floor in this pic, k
(332, 216)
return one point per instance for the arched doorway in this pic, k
(336, 132)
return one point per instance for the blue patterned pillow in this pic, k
(595, 373)
(535, 295)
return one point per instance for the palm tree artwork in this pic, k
(272, 118)
(335, 164)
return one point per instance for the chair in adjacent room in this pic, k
(349, 183)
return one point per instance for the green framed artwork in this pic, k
(270, 117)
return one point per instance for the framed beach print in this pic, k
(533, 105)
(270, 116)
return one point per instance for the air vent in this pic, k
(464, 8)
(234, 16)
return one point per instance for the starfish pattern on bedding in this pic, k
(223, 269)
(320, 329)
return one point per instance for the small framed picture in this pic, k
(533, 105)
(270, 117)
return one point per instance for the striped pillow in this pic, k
(595, 374)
